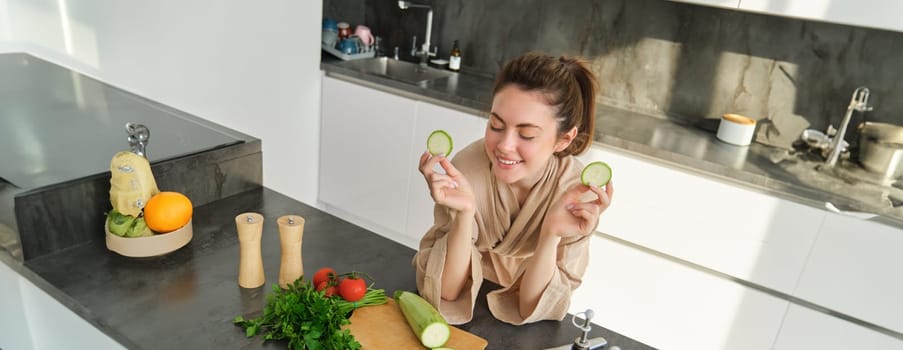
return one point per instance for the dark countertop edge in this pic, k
(64, 299)
(760, 183)
(419, 93)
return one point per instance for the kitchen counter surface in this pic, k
(187, 299)
(796, 175)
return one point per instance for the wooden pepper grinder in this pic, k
(291, 232)
(250, 267)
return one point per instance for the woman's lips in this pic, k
(507, 163)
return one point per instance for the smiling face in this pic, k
(522, 136)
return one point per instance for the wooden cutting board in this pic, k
(384, 327)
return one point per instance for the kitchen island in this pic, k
(58, 130)
(187, 299)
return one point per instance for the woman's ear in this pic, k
(565, 140)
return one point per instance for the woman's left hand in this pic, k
(568, 216)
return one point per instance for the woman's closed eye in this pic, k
(521, 135)
(525, 132)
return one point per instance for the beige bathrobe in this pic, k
(505, 236)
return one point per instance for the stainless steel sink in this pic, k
(397, 70)
(881, 148)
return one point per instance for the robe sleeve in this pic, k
(573, 257)
(430, 261)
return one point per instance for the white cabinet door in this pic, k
(14, 332)
(807, 329)
(739, 232)
(364, 159)
(855, 268)
(718, 3)
(53, 326)
(32, 319)
(867, 13)
(671, 306)
(464, 129)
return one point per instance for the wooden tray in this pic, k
(384, 327)
(141, 247)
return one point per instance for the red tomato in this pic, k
(330, 289)
(353, 289)
(324, 274)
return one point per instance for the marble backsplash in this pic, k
(670, 59)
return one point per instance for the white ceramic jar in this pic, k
(736, 129)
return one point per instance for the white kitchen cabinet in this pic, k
(884, 14)
(364, 162)
(807, 329)
(371, 142)
(464, 129)
(672, 306)
(742, 233)
(32, 319)
(14, 332)
(855, 268)
(718, 3)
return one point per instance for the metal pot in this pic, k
(881, 148)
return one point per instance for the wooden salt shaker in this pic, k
(250, 267)
(291, 232)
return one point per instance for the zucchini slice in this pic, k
(439, 142)
(596, 173)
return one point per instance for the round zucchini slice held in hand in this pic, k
(596, 173)
(439, 143)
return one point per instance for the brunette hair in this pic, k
(568, 85)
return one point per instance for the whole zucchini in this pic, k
(429, 326)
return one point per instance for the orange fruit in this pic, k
(167, 212)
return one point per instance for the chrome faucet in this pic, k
(859, 102)
(424, 53)
(583, 342)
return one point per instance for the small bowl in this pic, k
(158, 244)
(440, 63)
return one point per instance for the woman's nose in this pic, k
(508, 142)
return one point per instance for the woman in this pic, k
(510, 207)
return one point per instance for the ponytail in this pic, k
(585, 118)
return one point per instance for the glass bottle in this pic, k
(454, 60)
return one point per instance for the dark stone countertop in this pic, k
(796, 175)
(187, 299)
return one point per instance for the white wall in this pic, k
(4, 22)
(248, 65)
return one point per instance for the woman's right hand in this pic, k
(450, 189)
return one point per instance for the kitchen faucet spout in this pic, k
(424, 53)
(859, 102)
